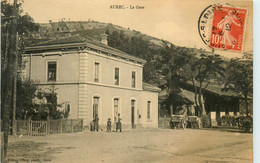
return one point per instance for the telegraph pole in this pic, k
(8, 78)
(15, 86)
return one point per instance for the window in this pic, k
(148, 109)
(96, 72)
(116, 76)
(133, 79)
(95, 106)
(116, 109)
(132, 103)
(133, 113)
(52, 67)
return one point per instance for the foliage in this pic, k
(247, 124)
(25, 22)
(240, 77)
(227, 120)
(205, 120)
(201, 71)
(52, 104)
(26, 92)
(35, 103)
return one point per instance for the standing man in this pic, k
(109, 125)
(118, 124)
(96, 123)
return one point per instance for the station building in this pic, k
(93, 78)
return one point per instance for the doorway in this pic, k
(133, 113)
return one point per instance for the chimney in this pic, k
(103, 38)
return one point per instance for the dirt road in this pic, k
(147, 145)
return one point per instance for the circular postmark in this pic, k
(222, 27)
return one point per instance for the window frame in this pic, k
(97, 80)
(47, 70)
(133, 84)
(94, 104)
(148, 110)
(118, 108)
(116, 80)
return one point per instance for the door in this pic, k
(95, 107)
(133, 113)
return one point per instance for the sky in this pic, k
(172, 20)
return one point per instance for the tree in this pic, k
(200, 71)
(173, 60)
(26, 91)
(10, 29)
(240, 77)
(52, 103)
(36, 103)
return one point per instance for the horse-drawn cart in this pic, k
(178, 121)
(193, 122)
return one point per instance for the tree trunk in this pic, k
(171, 109)
(201, 108)
(8, 80)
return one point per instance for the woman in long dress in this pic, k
(225, 25)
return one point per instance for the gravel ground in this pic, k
(146, 145)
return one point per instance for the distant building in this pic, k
(216, 102)
(94, 79)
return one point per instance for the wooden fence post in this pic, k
(31, 127)
(71, 125)
(28, 127)
(48, 127)
(61, 126)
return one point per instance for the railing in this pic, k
(42, 128)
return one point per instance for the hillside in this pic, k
(90, 28)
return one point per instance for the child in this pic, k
(109, 125)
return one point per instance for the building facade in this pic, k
(94, 79)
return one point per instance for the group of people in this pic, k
(94, 126)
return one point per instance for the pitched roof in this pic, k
(217, 89)
(149, 87)
(77, 41)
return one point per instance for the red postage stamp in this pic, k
(228, 28)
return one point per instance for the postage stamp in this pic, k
(222, 27)
(227, 30)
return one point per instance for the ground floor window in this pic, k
(148, 109)
(133, 113)
(116, 109)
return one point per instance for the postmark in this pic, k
(222, 27)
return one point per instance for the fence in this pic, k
(42, 128)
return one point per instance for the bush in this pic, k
(247, 123)
(205, 120)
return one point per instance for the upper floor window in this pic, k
(52, 71)
(148, 109)
(133, 79)
(116, 76)
(96, 77)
